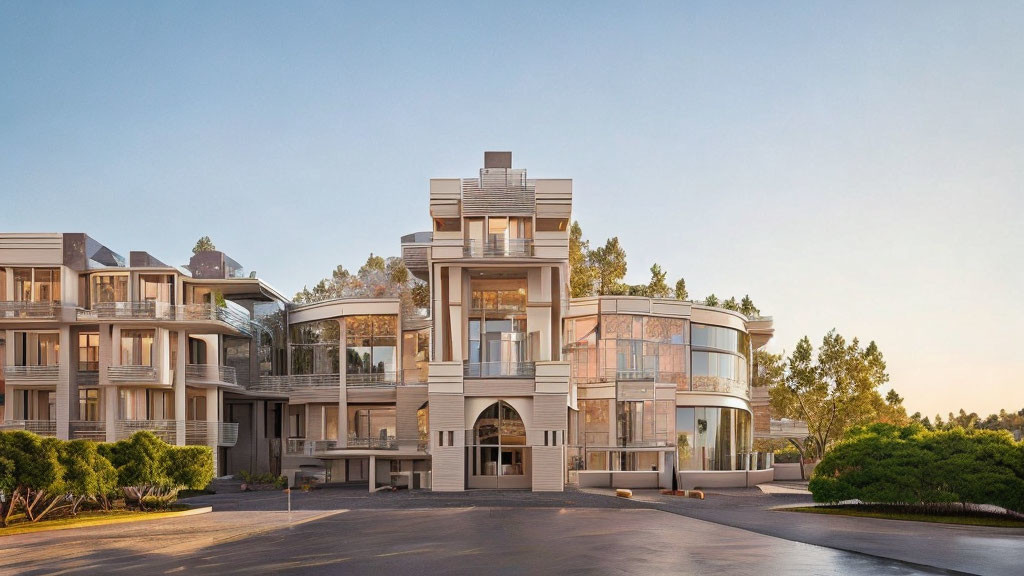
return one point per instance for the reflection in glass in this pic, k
(711, 438)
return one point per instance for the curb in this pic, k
(122, 520)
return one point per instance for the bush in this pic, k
(910, 465)
(787, 455)
(151, 472)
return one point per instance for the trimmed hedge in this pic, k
(886, 464)
(41, 476)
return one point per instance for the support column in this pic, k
(8, 360)
(109, 392)
(373, 473)
(212, 421)
(64, 384)
(181, 358)
(343, 389)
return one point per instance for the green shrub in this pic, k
(787, 455)
(910, 465)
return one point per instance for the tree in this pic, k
(747, 307)
(378, 277)
(680, 291)
(204, 244)
(581, 272)
(832, 390)
(28, 469)
(609, 262)
(731, 304)
(711, 300)
(87, 474)
(657, 288)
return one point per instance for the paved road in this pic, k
(514, 533)
(465, 541)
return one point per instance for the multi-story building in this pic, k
(503, 382)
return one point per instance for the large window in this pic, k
(314, 347)
(137, 347)
(371, 344)
(109, 288)
(88, 352)
(37, 284)
(628, 347)
(89, 404)
(498, 341)
(712, 438)
(157, 288)
(497, 448)
(36, 348)
(718, 372)
(720, 338)
(371, 426)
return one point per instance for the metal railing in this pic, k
(232, 315)
(28, 374)
(95, 430)
(525, 369)
(372, 379)
(513, 247)
(40, 427)
(166, 430)
(201, 432)
(210, 374)
(126, 373)
(719, 384)
(389, 443)
(22, 309)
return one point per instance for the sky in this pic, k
(856, 166)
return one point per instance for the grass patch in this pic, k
(968, 518)
(88, 518)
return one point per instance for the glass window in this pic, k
(371, 344)
(23, 284)
(315, 347)
(89, 404)
(109, 288)
(722, 338)
(46, 285)
(712, 438)
(157, 288)
(137, 347)
(88, 352)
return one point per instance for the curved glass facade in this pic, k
(720, 338)
(712, 438)
(625, 347)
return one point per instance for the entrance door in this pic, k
(498, 456)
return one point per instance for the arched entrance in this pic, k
(497, 454)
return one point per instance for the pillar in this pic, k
(64, 384)
(181, 357)
(212, 421)
(109, 392)
(373, 473)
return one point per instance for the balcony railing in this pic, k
(513, 247)
(232, 315)
(95, 430)
(309, 447)
(719, 384)
(201, 432)
(210, 374)
(131, 374)
(499, 369)
(389, 443)
(166, 430)
(794, 428)
(21, 309)
(372, 379)
(32, 374)
(40, 427)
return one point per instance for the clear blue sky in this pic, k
(849, 165)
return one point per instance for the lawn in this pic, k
(916, 515)
(90, 518)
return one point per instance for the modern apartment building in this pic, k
(503, 382)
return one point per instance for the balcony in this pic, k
(95, 430)
(309, 447)
(202, 433)
(131, 374)
(32, 375)
(523, 369)
(233, 315)
(166, 430)
(210, 375)
(88, 377)
(29, 310)
(719, 384)
(511, 248)
(388, 443)
(40, 427)
(380, 379)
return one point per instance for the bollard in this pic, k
(288, 491)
